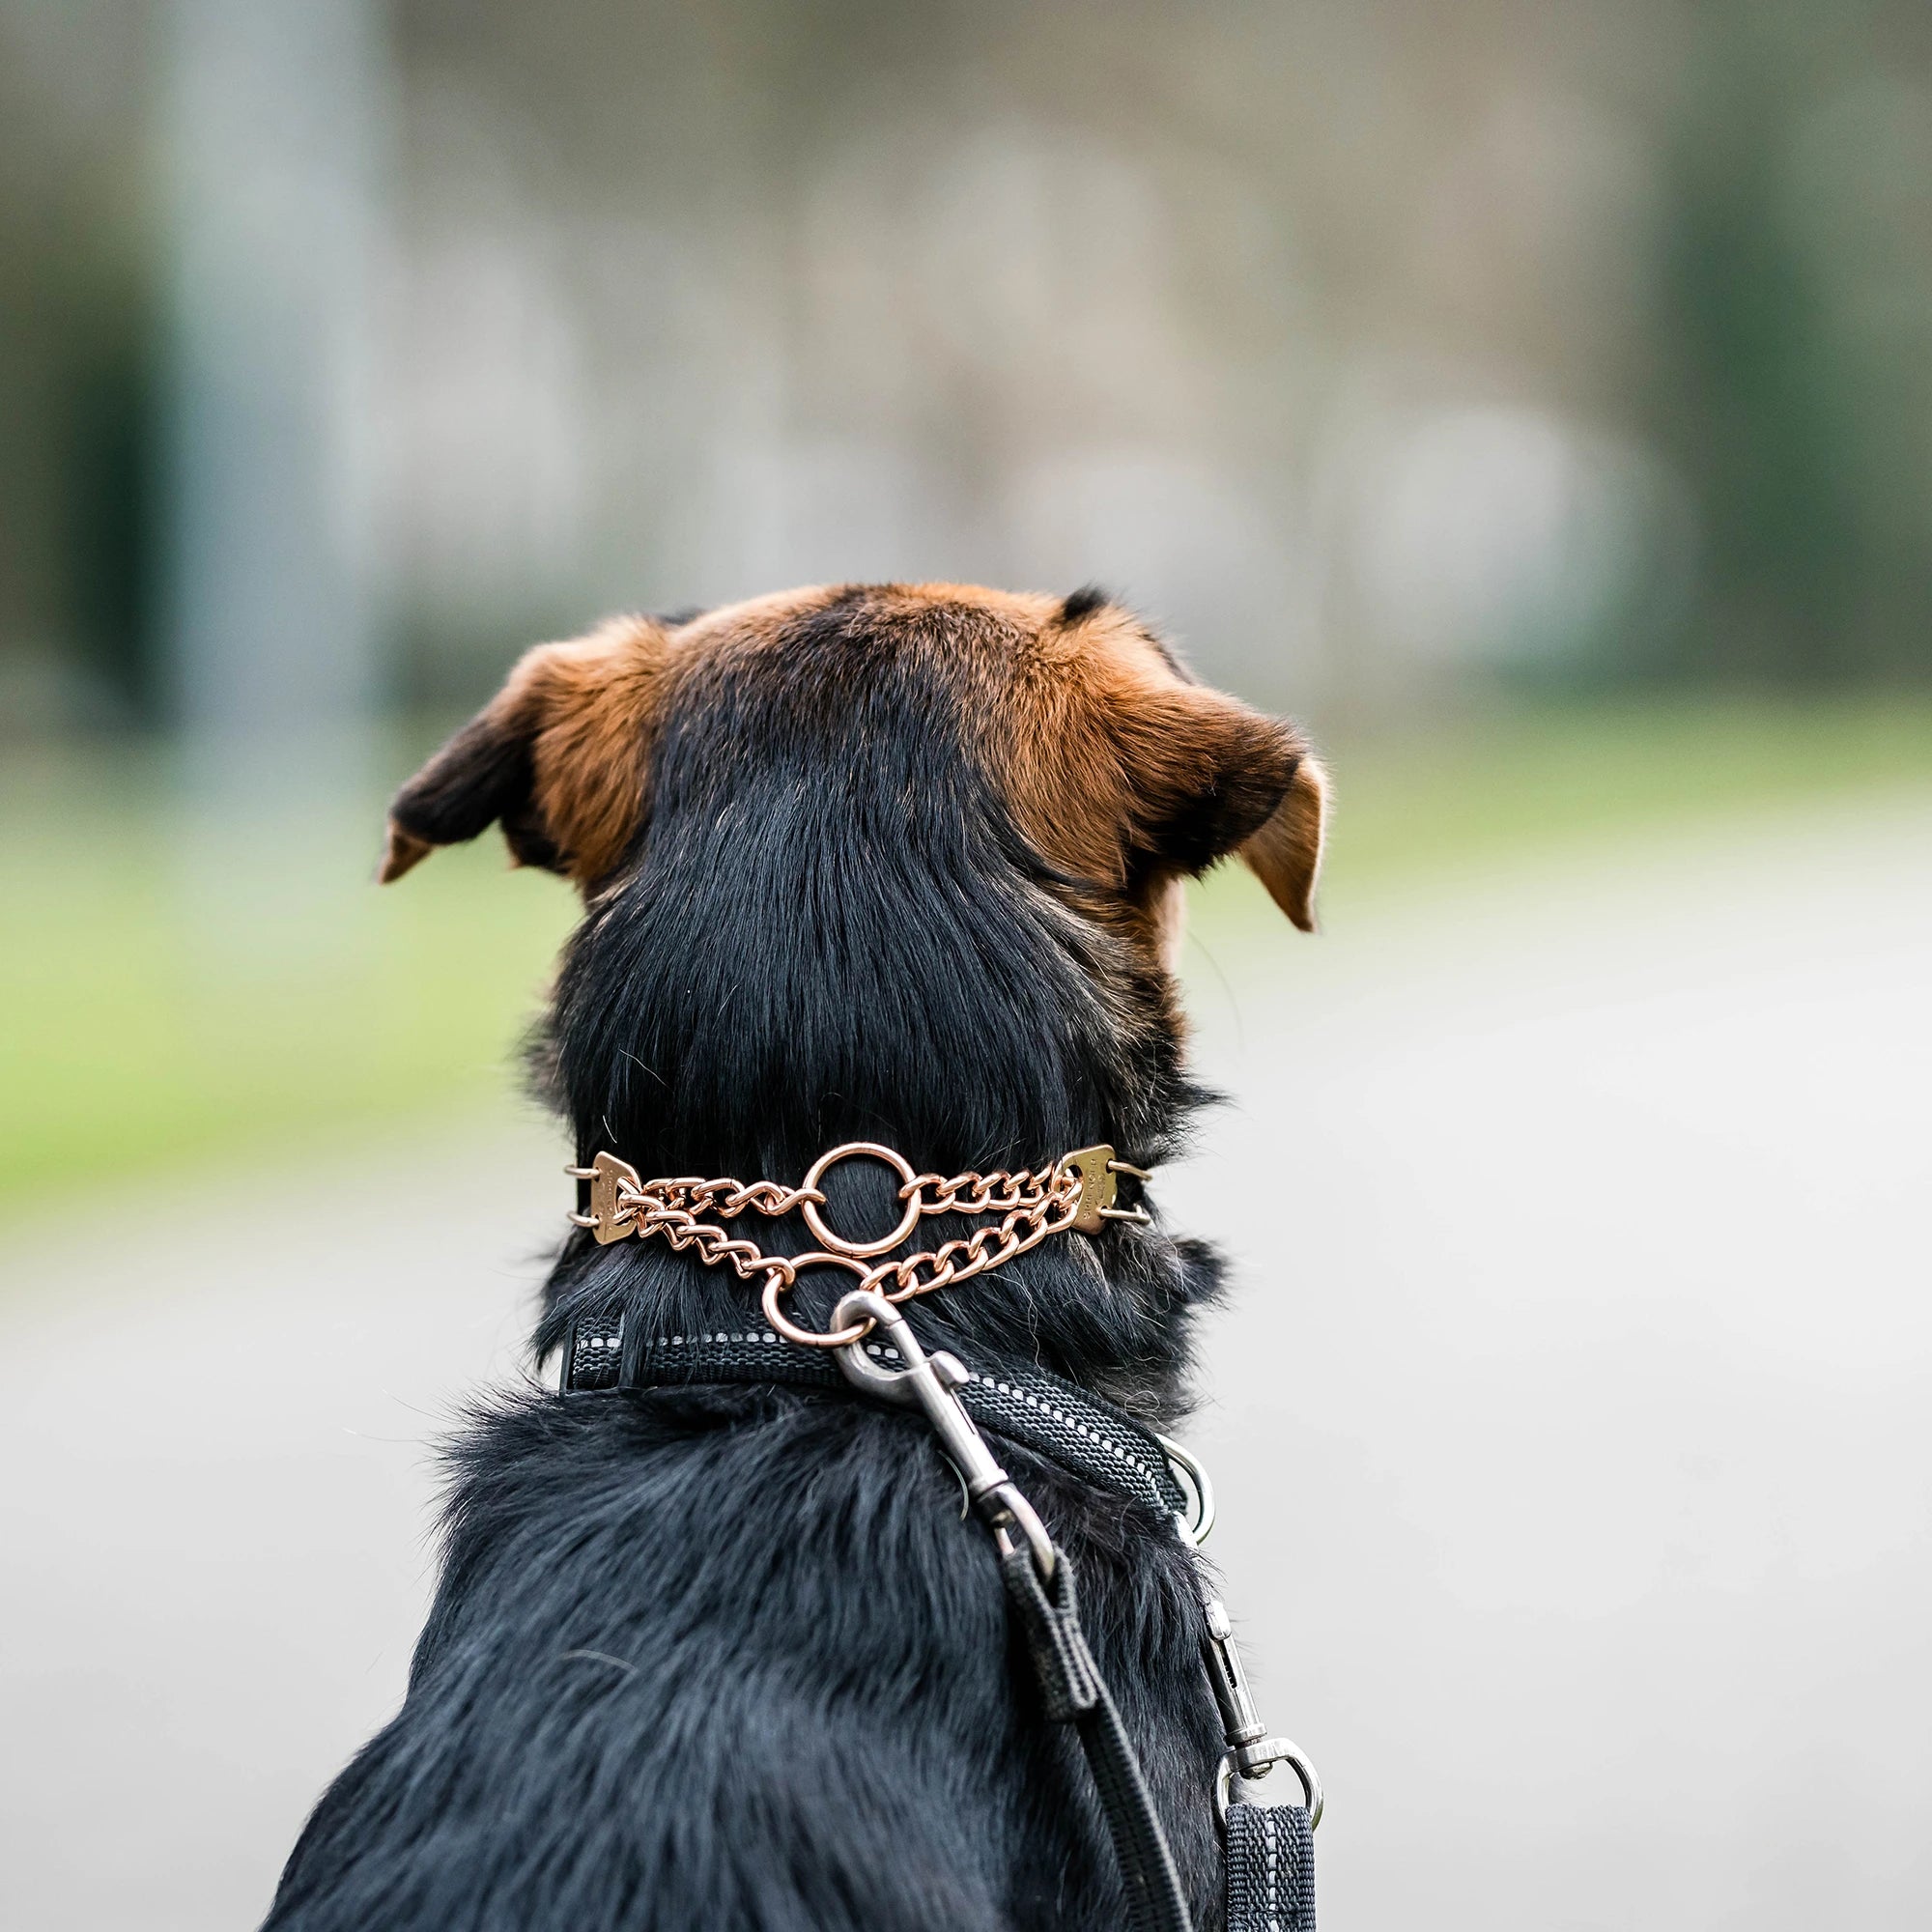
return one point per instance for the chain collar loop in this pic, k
(1077, 1193)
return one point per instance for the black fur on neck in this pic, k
(830, 930)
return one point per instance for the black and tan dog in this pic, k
(896, 865)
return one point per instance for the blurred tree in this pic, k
(685, 299)
(1803, 434)
(76, 366)
(109, 445)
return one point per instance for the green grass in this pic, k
(1483, 791)
(171, 993)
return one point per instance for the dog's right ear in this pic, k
(559, 758)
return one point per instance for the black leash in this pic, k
(1075, 1693)
(1269, 1851)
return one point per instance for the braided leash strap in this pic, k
(1074, 1693)
(1270, 1869)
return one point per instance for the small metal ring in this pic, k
(775, 1285)
(1285, 1753)
(871, 1149)
(1032, 1532)
(1197, 1528)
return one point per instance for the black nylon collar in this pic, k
(1085, 1436)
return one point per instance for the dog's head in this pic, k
(892, 864)
(871, 863)
(1120, 772)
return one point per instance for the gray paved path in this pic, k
(212, 1574)
(1573, 1422)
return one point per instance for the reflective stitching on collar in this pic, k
(1060, 1415)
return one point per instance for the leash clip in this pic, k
(931, 1383)
(1251, 1752)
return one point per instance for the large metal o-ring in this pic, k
(775, 1285)
(1285, 1753)
(896, 1162)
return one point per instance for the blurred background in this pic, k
(1534, 399)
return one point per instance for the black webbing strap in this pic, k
(1029, 1406)
(1074, 1693)
(1270, 1869)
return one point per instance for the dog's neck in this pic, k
(843, 950)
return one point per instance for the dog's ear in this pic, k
(1210, 777)
(1285, 853)
(559, 758)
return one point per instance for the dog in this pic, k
(888, 864)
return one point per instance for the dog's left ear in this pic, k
(1211, 777)
(559, 757)
(1286, 853)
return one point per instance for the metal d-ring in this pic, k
(1270, 1753)
(899, 1165)
(1199, 1524)
(1139, 1216)
(779, 1279)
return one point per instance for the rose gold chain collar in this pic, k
(1077, 1193)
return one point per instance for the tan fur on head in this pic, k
(1113, 759)
(560, 757)
(596, 700)
(1123, 772)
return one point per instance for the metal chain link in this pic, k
(1077, 1191)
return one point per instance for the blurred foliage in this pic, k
(1795, 350)
(150, 1018)
(1383, 349)
(686, 302)
(1616, 777)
